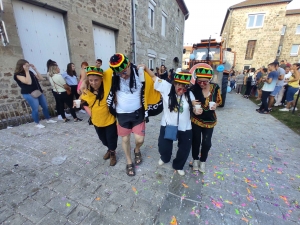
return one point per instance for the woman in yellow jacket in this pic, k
(94, 102)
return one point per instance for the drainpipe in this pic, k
(227, 40)
(133, 33)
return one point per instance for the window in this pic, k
(255, 20)
(163, 23)
(247, 67)
(151, 63)
(294, 50)
(176, 35)
(162, 62)
(279, 50)
(283, 30)
(250, 50)
(298, 29)
(151, 13)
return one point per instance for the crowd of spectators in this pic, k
(274, 85)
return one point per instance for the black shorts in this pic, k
(130, 120)
(108, 135)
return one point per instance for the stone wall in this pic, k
(236, 34)
(151, 41)
(81, 14)
(290, 38)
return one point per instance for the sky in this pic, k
(207, 16)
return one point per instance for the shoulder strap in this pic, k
(178, 110)
(54, 84)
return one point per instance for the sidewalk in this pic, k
(56, 175)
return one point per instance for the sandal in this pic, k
(138, 157)
(130, 170)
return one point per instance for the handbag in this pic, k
(66, 87)
(36, 93)
(171, 130)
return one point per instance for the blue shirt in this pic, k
(271, 86)
(70, 80)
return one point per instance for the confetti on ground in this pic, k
(244, 219)
(68, 204)
(184, 185)
(226, 201)
(183, 196)
(98, 199)
(217, 204)
(237, 211)
(284, 198)
(173, 221)
(134, 190)
(195, 212)
(44, 153)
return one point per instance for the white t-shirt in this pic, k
(171, 117)
(286, 77)
(128, 102)
(280, 72)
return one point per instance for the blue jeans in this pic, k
(34, 104)
(291, 91)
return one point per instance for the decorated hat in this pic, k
(204, 71)
(118, 62)
(93, 70)
(183, 77)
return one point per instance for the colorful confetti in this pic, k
(173, 221)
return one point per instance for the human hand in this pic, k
(213, 107)
(33, 67)
(83, 88)
(196, 102)
(197, 111)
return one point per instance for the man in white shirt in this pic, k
(278, 87)
(281, 96)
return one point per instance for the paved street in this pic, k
(57, 176)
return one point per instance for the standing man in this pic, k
(98, 63)
(268, 88)
(132, 96)
(279, 85)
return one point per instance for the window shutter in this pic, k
(250, 50)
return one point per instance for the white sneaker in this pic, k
(293, 108)
(40, 126)
(82, 111)
(181, 172)
(196, 165)
(284, 110)
(259, 104)
(160, 162)
(59, 118)
(68, 115)
(51, 121)
(202, 167)
(276, 104)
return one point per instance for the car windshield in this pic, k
(201, 54)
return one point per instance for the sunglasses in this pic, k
(123, 73)
(202, 82)
(182, 89)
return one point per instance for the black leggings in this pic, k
(63, 99)
(108, 135)
(206, 134)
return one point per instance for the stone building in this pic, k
(84, 30)
(159, 32)
(254, 30)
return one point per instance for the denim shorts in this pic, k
(290, 93)
(276, 90)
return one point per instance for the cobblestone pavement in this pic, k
(56, 175)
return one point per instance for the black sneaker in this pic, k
(78, 120)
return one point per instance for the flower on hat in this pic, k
(118, 62)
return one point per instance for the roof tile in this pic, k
(249, 3)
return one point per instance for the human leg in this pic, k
(68, 99)
(264, 101)
(44, 105)
(165, 146)
(139, 135)
(206, 142)
(184, 147)
(34, 104)
(196, 141)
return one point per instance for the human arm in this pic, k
(295, 77)
(151, 74)
(38, 75)
(27, 79)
